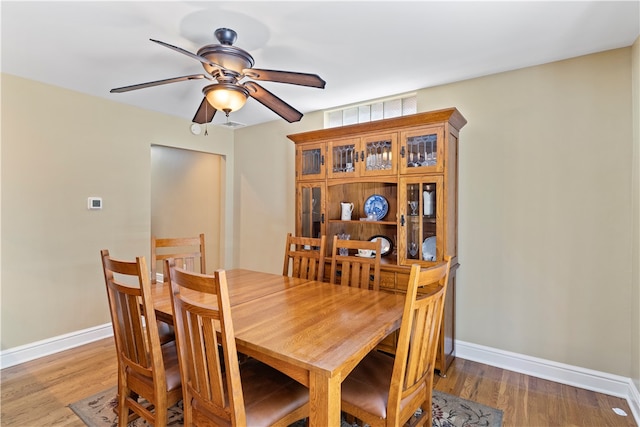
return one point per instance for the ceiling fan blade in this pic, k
(302, 79)
(272, 102)
(158, 83)
(205, 112)
(189, 54)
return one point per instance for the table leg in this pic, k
(324, 400)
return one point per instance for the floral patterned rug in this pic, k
(448, 411)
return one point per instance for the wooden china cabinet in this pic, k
(403, 170)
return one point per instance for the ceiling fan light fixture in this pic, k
(226, 97)
(227, 65)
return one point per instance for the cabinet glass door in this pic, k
(422, 150)
(311, 210)
(343, 158)
(379, 154)
(421, 216)
(311, 164)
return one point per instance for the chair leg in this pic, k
(116, 409)
(161, 411)
(349, 418)
(187, 410)
(423, 419)
(123, 408)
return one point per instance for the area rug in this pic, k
(448, 411)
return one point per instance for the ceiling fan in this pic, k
(227, 66)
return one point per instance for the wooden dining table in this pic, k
(313, 331)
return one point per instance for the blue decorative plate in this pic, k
(378, 205)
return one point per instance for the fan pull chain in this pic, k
(206, 114)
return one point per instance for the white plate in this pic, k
(387, 245)
(429, 249)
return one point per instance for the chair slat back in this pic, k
(353, 270)
(418, 338)
(304, 257)
(205, 383)
(187, 252)
(135, 327)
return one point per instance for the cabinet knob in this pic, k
(402, 152)
(402, 220)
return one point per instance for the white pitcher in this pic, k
(347, 209)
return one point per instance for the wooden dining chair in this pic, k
(146, 368)
(188, 252)
(251, 394)
(383, 391)
(353, 270)
(304, 257)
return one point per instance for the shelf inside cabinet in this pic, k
(358, 193)
(362, 222)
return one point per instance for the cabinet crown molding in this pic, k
(451, 115)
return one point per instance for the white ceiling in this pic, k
(363, 50)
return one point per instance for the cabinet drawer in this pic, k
(402, 281)
(388, 280)
(390, 343)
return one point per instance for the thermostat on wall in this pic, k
(94, 203)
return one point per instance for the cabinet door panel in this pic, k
(421, 205)
(378, 155)
(310, 208)
(422, 150)
(343, 158)
(310, 161)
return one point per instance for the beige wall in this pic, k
(544, 210)
(186, 198)
(635, 197)
(545, 215)
(58, 148)
(265, 191)
(549, 266)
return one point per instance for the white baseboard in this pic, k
(35, 350)
(601, 382)
(634, 401)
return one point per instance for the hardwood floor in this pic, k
(37, 393)
(531, 401)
